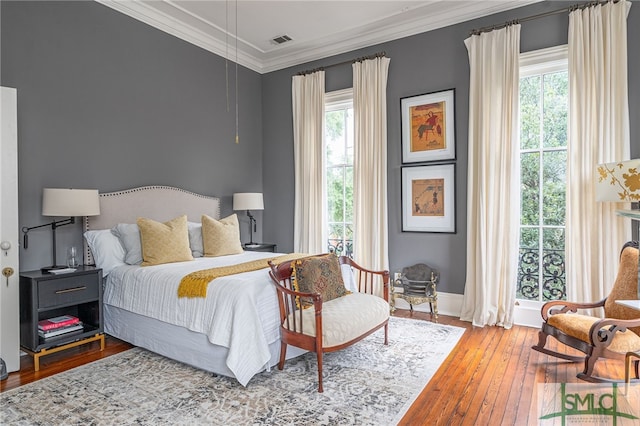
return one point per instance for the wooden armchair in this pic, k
(611, 337)
(335, 324)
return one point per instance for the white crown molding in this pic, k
(373, 34)
(204, 34)
(189, 33)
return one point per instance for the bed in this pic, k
(233, 331)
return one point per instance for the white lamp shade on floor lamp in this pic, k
(620, 181)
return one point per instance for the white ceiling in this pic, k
(318, 28)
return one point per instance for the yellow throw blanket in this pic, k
(195, 284)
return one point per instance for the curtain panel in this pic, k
(370, 163)
(493, 208)
(308, 127)
(598, 133)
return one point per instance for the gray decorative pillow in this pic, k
(129, 236)
(195, 239)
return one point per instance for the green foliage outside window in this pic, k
(339, 179)
(543, 161)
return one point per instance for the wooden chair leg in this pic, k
(542, 339)
(320, 388)
(589, 364)
(283, 354)
(386, 334)
(627, 366)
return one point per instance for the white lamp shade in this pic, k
(619, 181)
(248, 201)
(70, 202)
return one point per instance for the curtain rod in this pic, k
(540, 15)
(364, 58)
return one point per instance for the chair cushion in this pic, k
(345, 318)
(578, 326)
(318, 274)
(624, 288)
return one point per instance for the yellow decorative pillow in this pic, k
(164, 242)
(221, 237)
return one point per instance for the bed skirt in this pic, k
(177, 342)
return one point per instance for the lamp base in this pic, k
(48, 269)
(252, 245)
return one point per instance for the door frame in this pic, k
(9, 287)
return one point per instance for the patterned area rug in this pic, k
(366, 384)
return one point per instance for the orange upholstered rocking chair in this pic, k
(612, 337)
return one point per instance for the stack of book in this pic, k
(57, 326)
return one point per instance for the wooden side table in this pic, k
(628, 359)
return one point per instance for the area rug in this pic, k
(366, 384)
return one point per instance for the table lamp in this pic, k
(64, 202)
(249, 201)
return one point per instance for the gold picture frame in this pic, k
(428, 127)
(428, 198)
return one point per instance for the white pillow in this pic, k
(106, 249)
(349, 278)
(195, 239)
(129, 236)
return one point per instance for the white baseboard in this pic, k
(448, 304)
(451, 304)
(527, 313)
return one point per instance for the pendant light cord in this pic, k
(226, 53)
(237, 135)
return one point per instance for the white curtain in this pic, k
(598, 133)
(308, 117)
(370, 163)
(493, 208)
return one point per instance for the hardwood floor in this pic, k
(61, 361)
(489, 379)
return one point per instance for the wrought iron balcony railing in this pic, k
(552, 284)
(340, 247)
(551, 280)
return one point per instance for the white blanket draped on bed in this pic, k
(240, 311)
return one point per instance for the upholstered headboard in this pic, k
(161, 203)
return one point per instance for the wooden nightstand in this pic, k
(260, 247)
(45, 295)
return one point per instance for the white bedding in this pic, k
(240, 311)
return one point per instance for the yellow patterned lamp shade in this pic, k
(619, 181)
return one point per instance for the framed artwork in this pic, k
(428, 198)
(428, 128)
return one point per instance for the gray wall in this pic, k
(424, 63)
(107, 102)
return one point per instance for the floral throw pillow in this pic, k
(318, 274)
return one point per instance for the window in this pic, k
(544, 97)
(338, 143)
